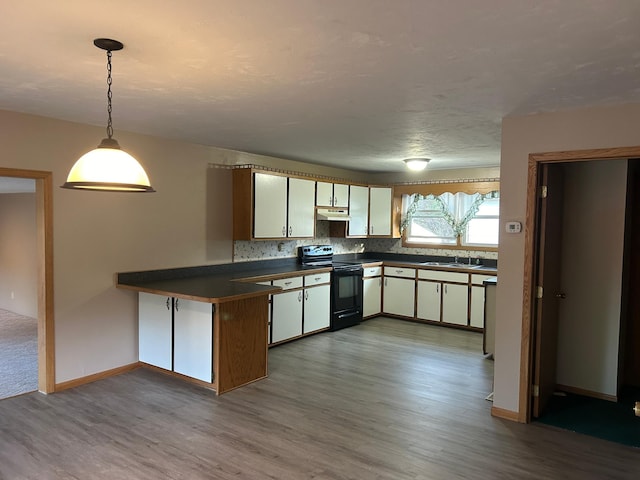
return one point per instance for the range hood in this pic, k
(333, 214)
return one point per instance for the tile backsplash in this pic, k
(244, 251)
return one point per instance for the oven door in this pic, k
(346, 288)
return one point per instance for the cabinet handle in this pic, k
(317, 279)
(335, 201)
(380, 282)
(437, 288)
(306, 295)
(177, 304)
(287, 283)
(398, 272)
(284, 231)
(371, 229)
(300, 296)
(385, 282)
(290, 230)
(445, 289)
(330, 200)
(168, 303)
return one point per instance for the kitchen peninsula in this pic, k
(225, 317)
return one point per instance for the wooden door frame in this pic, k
(44, 247)
(531, 233)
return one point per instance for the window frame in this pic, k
(468, 187)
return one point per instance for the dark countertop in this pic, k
(235, 281)
(215, 283)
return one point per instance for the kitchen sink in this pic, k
(451, 264)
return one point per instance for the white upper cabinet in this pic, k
(270, 206)
(332, 194)
(358, 211)
(340, 195)
(283, 207)
(301, 208)
(380, 207)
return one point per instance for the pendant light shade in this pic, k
(417, 164)
(108, 167)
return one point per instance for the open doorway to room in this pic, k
(40, 204)
(18, 287)
(580, 315)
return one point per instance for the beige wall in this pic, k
(592, 250)
(572, 130)
(18, 267)
(96, 234)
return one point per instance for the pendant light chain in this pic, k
(109, 81)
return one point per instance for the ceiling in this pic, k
(360, 84)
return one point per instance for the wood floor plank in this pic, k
(384, 400)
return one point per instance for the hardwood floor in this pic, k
(384, 400)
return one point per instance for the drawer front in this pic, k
(317, 279)
(399, 272)
(444, 276)
(478, 279)
(288, 283)
(372, 271)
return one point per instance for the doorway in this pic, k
(44, 254)
(538, 163)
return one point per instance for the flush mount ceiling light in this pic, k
(108, 168)
(417, 164)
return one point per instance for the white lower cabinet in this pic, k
(372, 296)
(399, 296)
(176, 335)
(155, 330)
(193, 339)
(286, 317)
(455, 303)
(429, 301)
(317, 308)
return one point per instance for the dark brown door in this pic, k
(548, 268)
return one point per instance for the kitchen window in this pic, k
(451, 219)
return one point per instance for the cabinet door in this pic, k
(358, 210)
(429, 301)
(155, 330)
(302, 220)
(372, 292)
(380, 211)
(399, 296)
(317, 308)
(270, 206)
(455, 301)
(324, 194)
(193, 339)
(477, 307)
(340, 195)
(286, 317)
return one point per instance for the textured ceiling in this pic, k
(360, 84)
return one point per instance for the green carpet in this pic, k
(611, 421)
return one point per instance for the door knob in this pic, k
(561, 295)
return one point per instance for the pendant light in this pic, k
(108, 168)
(417, 164)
